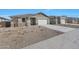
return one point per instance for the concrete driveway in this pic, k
(69, 40)
(59, 28)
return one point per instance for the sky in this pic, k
(56, 12)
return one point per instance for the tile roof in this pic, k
(24, 15)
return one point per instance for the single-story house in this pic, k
(69, 20)
(4, 22)
(40, 19)
(29, 19)
(34, 19)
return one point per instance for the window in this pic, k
(52, 21)
(23, 19)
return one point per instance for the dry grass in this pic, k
(21, 37)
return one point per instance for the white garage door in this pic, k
(62, 21)
(42, 22)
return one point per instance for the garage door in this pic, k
(42, 22)
(62, 21)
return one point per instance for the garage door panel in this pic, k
(42, 22)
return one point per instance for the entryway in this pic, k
(33, 21)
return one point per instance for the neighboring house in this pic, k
(69, 20)
(41, 19)
(4, 22)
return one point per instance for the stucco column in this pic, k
(73, 21)
(28, 22)
(76, 21)
(19, 22)
(48, 21)
(56, 20)
(36, 18)
(12, 24)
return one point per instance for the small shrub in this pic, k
(31, 31)
(39, 26)
(41, 30)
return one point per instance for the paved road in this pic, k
(59, 28)
(70, 25)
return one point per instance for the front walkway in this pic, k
(59, 28)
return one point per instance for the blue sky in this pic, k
(59, 12)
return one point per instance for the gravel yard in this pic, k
(20, 37)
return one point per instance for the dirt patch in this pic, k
(21, 37)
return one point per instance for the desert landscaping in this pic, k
(20, 37)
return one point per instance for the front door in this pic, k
(33, 21)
